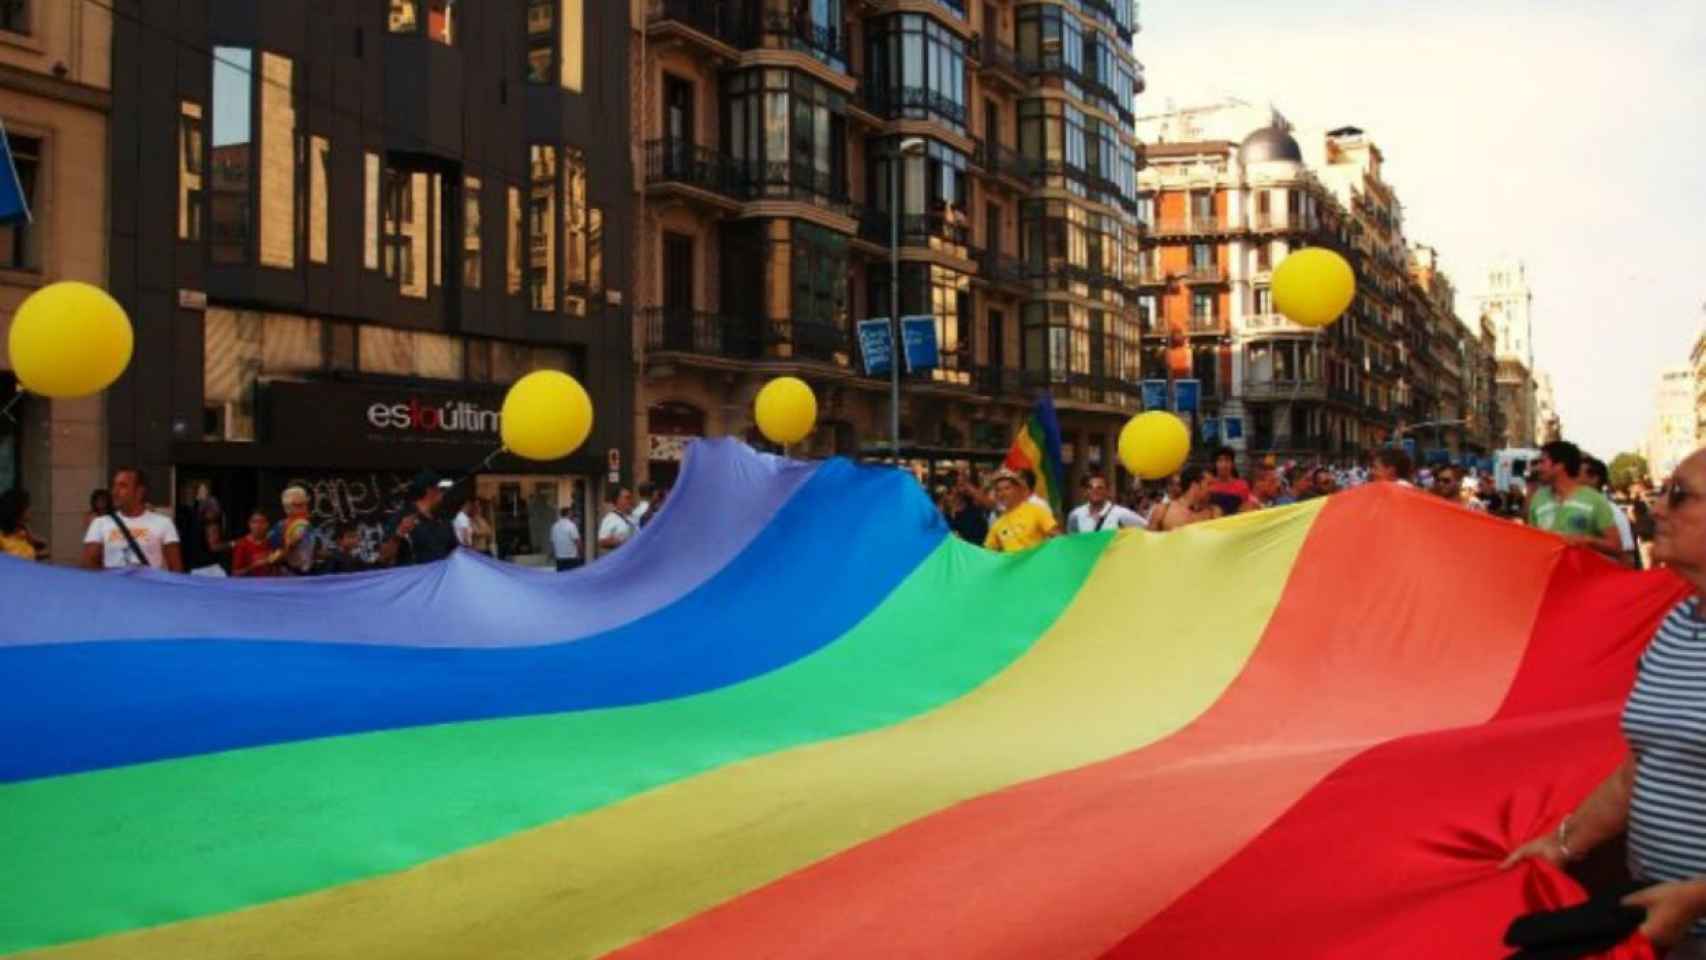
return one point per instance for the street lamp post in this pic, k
(908, 146)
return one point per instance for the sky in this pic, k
(1568, 133)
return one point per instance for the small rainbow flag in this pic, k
(1037, 449)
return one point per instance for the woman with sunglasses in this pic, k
(1658, 795)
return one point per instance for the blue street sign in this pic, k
(1187, 395)
(1210, 429)
(877, 345)
(1232, 428)
(1154, 394)
(918, 336)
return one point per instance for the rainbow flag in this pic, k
(797, 717)
(1037, 448)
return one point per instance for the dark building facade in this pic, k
(344, 227)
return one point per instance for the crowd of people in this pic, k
(1567, 493)
(123, 529)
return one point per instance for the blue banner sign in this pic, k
(918, 335)
(876, 344)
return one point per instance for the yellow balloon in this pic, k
(1313, 287)
(69, 339)
(546, 416)
(786, 410)
(1154, 444)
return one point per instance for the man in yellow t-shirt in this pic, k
(1024, 523)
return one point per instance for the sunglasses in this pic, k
(1675, 494)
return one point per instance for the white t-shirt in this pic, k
(151, 530)
(1112, 517)
(616, 527)
(641, 509)
(464, 527)
(565, 539)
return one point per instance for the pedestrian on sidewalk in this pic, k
(566, 541)
(618, 526)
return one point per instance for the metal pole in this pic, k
(894, 304)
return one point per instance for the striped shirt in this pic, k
(1665, 723)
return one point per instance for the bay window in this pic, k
(1050, 39)
(934, 192)
(787, 134)
(916, 70)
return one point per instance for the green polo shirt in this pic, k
(1584, 513)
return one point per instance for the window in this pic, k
(19, 246)
(554, 40)
(406, 212)
(471, 265)
(917, 68)
(819, 307)
(1202, 207)
(542, 229)
(1202, 256)
(319, 157)
(278, 163)
(1202, 307)
(1049, 38)
(788, 136)
(514, 241)
(436, 226)
(1264, 301)
(934, 192)
(370, 211)
(190, 160)
(408, 353)
(440, 18)
(595, 250)
(1054, 134)
(232, 160)
(15, 16)
(940, 292)
(574, 232)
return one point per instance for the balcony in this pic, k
(1001, 270)
(1192, 227)
(797, 31)
(1282, 388)
(916, 229)
(710, 23)
(1000, 63)
(678, 330)
(1273, 323)
(1198, 324)
(918, 103)
(680, 163)
(1004, 161)
(800, 182)
(1204, 274)
(998, 382)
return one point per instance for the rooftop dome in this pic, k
(1268, 145)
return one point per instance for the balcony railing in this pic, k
(1199, 323)
(916, 229)
(815, 341)
(680, 330)
(678, 161)
(1191, 227)
(1001, 268)
(997, 57)
(720, 19)
(893, 102)
(998, 381)
(1278, 388)
(1005, 161)
(1263, 322)
(798, 30)
(1205, 273)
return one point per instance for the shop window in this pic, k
(232, 158)
(439, 18)
(319, 159)
(190, 160)
(471, 260)
(555, 35)
(278, 162)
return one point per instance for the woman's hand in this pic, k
(1545, 847)
(1672, 909)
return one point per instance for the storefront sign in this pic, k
(1154, 394)
(450, 416)
(309, 414)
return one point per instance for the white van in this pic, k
(1511, 466)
